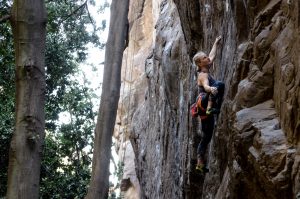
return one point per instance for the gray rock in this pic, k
(254, 152)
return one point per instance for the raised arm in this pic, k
(213, 51)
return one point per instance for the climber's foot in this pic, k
(201, 168)
(210, 111)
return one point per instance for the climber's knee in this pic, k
(220, 85)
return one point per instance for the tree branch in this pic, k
(4, 18)
(92, 22)
(74, 12)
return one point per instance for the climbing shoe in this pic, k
(212, 111)
(201, 168)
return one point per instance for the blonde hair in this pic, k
(197, 57)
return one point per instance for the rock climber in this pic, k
(211, 93)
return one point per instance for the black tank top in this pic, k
(211, 82)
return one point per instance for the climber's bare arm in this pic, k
(213, 51)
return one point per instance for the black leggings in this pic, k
(209, 122)
(207, 129)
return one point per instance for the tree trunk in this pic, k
(29, 29)
(115, 46)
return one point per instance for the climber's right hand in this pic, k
(218, 39)
(213, 90)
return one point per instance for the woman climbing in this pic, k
(211, 93)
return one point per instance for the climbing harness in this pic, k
(197, 109)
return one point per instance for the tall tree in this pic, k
(116, 43)
(28, 22)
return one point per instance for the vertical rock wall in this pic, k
(160, 124)
(143, 15)
(255, 150)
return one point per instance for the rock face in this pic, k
(255, 150)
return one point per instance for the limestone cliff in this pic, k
(255, 150)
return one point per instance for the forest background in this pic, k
(72, 95)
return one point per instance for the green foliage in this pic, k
(66, 41)
(65, 170)
(120, 170)
(66, 164)
(7, 93)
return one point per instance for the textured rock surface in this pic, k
(142, 18)
(255, 151)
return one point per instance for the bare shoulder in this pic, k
(201, 78)
(202, 75)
